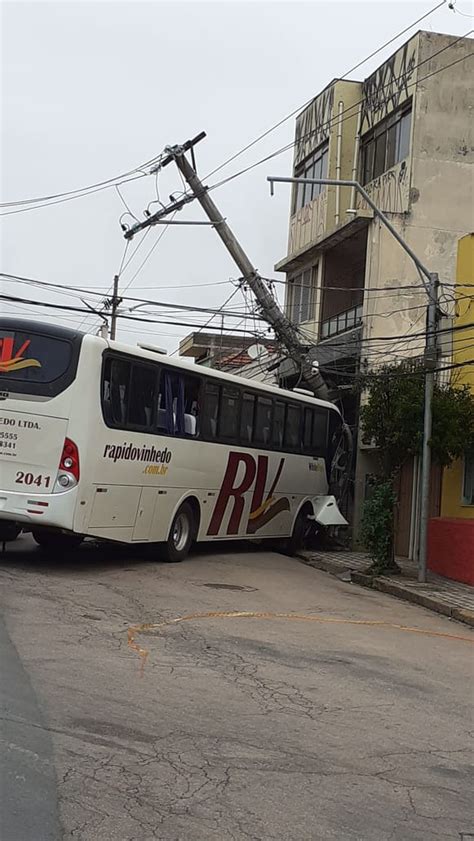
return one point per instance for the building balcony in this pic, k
(341, 323)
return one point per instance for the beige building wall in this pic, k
(429, 199)
(335, 110)
(438, 183)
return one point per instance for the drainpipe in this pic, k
(355, 163)
(340, 110)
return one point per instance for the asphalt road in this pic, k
(137, 705)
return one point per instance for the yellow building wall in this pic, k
(463, 345)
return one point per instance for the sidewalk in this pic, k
(439, 594)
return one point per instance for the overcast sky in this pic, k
(93, 89)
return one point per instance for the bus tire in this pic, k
(294, 544)
(181, 536)
(55, 541)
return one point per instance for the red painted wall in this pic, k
(451, 548)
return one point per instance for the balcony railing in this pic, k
(341, 323)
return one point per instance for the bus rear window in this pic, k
(35, 363)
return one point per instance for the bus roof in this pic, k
(24, 325)
(60, 332)
(213, 373)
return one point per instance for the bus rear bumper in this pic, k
(31, 510)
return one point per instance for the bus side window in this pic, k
(209, 411)
(320, 431)
(165, 414)
(278, 424)
(263, 419)
(142, 393)
(115, 391)
(246, 418)
(191, 405)
(106, 393)
(228, 413)
(292, 438)
(308, 430)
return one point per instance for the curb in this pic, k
(392, 588)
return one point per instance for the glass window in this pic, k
(391, 156)
(324, 167)
(468, 480)
(228, 412)
(308, 189)
(386, 145)
(30, 357)
(308, 428)
(278, 424)
(314, 167)
(263, 420)
(404, 136)
(192, 390)
(115, 391)
(246, 418)
(350, 318)
(301, 297)
(320, 431)
(379, 162)
(142, 392)
(210, 408)
(341, 322)
(368, 153)
(292, 427)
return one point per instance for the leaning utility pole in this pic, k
(284, 329)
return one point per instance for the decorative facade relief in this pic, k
(390, 191)
(313, 125)
(390, 85)
(308, 224)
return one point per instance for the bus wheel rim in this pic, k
(180, 532)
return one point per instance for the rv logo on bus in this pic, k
(10, 361)
(262, 510)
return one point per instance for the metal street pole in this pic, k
(115, 305)
(431, 288)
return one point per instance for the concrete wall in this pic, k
(433, 189)
(438, 181)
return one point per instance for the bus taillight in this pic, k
(68, 473)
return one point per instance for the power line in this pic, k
(188, 197)
(108, 182)
(336, 118)
(308, 101)
(71, 308)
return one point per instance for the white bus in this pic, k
(102, 439)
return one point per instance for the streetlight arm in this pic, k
(333, 182)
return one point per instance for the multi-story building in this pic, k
(405, 134)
